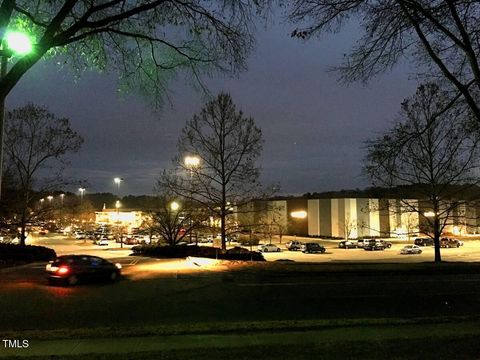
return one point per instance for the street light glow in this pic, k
(174, 206)
(18, 42)
(118, 204)
(192, 161)
(117, 180)
(301, 214)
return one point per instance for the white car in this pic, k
(268, 248)
(411, 249)
(102, 242)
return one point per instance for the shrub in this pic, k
(15, 254)
(183, 251)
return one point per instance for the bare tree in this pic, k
(438, 157)
(227, 145)
(440, 35)
(36, 146)
(173, 220)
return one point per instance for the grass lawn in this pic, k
(395, 339)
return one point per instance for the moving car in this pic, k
(71, 269)
(411, 249)
(423, 241)
(312, 248)
(268, 248)
(293, 245)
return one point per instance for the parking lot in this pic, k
(469, 252)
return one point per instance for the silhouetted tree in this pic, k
(227, 145)
(432, 149)
(36, 145)
(438, 35)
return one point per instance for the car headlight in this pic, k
(118, 266)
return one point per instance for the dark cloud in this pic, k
(313, 126)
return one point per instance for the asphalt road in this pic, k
(178, 291)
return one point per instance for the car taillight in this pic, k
(63, 270)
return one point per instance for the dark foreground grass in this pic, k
(465, 347)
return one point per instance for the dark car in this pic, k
(373, 246)
(347, 244)
(312, 248)
(71, 269)
(423, 241)
(449, 243)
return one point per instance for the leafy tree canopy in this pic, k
(145, 41)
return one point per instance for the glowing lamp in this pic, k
(18, 42)
(301, 214)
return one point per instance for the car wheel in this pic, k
(113, 276)
(322, 251)
(72, 280)
(278, 250)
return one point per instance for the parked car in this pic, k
(102, 242)
(131, 241)
(360, 243)
(386, 244)
(293, 245)
(312, 248)
(374, 245)
(347, 244)
(71, 269)
(411, 249)
(268, 248)
(449, 243)
(80, 235)
(423, 241)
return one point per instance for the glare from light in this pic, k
(174, 206)
(300, 214)
(18, 42)
(117, 180)
(429, 214)
(192, 161)
(198, 261)
(118, 204)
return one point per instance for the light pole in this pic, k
(191, 163)
(81, 190)
(117, 206)
(118, 181)
(11, 44)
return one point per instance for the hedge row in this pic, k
(11, 253)
(183, 251)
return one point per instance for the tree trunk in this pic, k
(436, 239)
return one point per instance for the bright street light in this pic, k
(50, 198)
(191, 162)
(18, 42)
(117, 181)
(174, 206)
(81, 190)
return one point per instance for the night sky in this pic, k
(313, 126)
